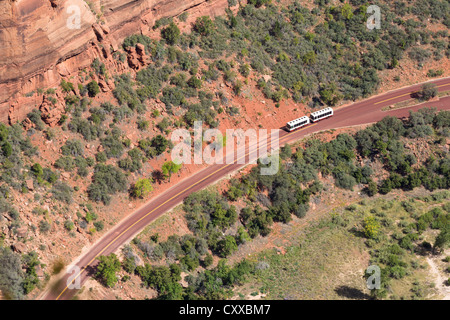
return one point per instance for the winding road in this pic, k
(363, 112)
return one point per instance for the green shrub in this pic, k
(93, 88)
(204, 25)
(68, 224)
(99, 225)
(44, 226)
(142, 188)
(62, 192)
(35, 117)
(427, 91)
(107, 268)
(171, 33)
(73, 148)
(106, 181)
(67, 86)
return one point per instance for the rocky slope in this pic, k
(42, 40)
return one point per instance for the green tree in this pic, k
(372, 188)
(194, 82)
(30, 261)
(107, 268)
(142, 188)
(169, 168)
(443, 238)
(208, 260)
(66, 86)
(163, 279)
(7, 149)
(427, 91)
(11, 274)
(204, 25)
(37, 170)
(159, 143)
(226, 246)
(347, 11)
(330, 94)
(371, 227)
(171, 33)
(93, 88)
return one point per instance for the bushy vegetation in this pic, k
(155, 146)
(396, 243)
(209, 284)
(206, 211)
(321, 66)
(106, 181)
(428, 91)
(17, 273)
(169, 168)
(62, 192)
(171, 33)
(107, 268)
(142, 188)
(93, 88)
(11, 274)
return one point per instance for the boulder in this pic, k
(22, 232)
(19, 247)
(30, 184)
(27, 124)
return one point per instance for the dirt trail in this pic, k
(443, 289)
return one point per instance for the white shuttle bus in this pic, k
(297, 123)
(321, 114)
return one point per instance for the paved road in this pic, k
(367, 111)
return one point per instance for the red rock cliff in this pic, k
(42, 40)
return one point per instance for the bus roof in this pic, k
(294, 122)
(322, 111)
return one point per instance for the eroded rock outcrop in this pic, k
(136, 57)
(105, 84)
(51, 112)
(42, 40)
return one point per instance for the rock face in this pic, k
(42, 40)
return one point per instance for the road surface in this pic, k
(364, 112)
